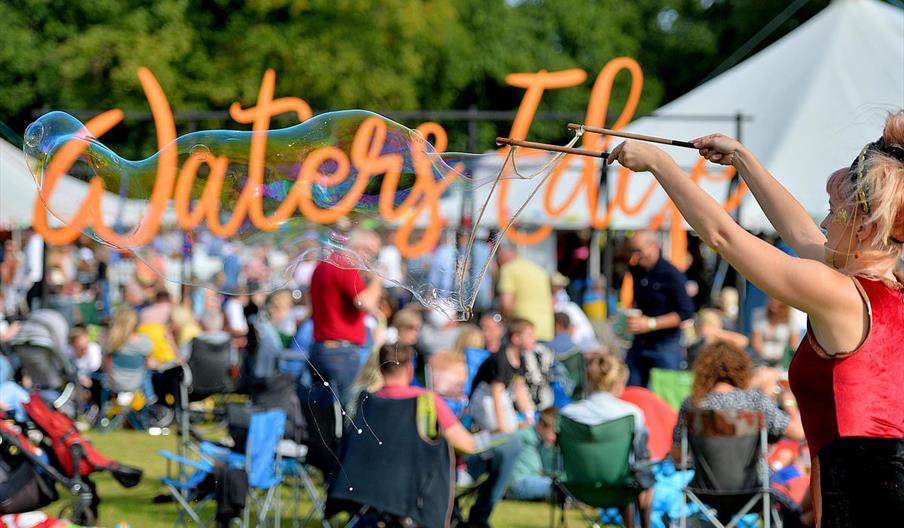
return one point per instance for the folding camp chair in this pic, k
(597, 466)
(262, 463)
(293, 460)
(397, 469)
(729, 447)
(673, 386)
(186, 487)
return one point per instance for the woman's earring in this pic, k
(857, 255)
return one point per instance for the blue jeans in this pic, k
(337, 365)
(665, 354)
(531, 488)
(499, 463)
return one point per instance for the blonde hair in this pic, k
(181, 316)
(605, 372)
(469, 336)
(124, 323)
(872, 192)
(406, 317)
(709, 317)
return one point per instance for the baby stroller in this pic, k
(60, 454)
(38, 352)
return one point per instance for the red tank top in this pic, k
(861, 394)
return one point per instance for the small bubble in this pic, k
(326, 384)
(351, 488)
(380, 442)
(360, 431)
(200, 151)
(343, 413)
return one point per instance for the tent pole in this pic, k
(740, 281)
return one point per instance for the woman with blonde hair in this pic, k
(127, 354)
(607, 377)
(848, 374)
(184, 327)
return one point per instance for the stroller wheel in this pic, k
(160, 416)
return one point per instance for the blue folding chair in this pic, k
(185, 487)
(261, 461)
(474, 358)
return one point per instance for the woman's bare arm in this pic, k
(828, 296)
(785, 213)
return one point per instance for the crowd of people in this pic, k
(339, 325)
(502, 380)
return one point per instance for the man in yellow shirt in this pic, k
(524, 291)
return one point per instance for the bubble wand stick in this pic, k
(551, 148)
(631, 135)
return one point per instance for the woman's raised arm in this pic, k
(825, 294)
(785, 213)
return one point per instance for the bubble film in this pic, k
(282, 199)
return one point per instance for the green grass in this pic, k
(134, 505)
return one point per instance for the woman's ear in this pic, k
(866, 231)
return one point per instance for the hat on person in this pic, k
(559, 281)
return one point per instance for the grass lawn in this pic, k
(134, 505)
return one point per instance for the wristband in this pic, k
(651, 323)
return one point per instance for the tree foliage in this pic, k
(380, 54)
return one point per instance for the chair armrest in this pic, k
(199, 465)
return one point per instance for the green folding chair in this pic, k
(673, 386)
(596, 467)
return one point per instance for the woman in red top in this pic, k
(848, 374)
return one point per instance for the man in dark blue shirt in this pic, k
(661, 298)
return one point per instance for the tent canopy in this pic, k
(811, 101)
(18, 192)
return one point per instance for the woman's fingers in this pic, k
(616, 152)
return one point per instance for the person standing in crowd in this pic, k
(523, 291)
(340, 298)
(9, 273)
(849, 369)
(480, 256)
(34, 267)
(661, 296)
(390, 266)
(773, 332)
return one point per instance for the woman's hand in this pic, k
(637, 156)
(719, 148)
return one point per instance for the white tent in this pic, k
(18, 193)
(814, 98)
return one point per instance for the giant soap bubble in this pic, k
(288, 197)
